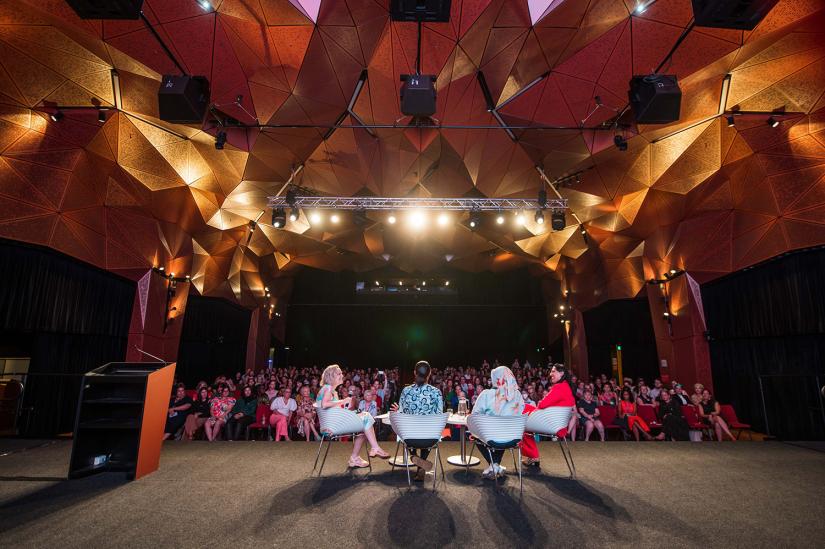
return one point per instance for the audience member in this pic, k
(282, 409)
(306, 413)
(503, 400)
(219, 408)
(179, 409)
(628, 419)
(709, 411)
(242, 414)
(674, 426)
(198, 416)
(589, 411)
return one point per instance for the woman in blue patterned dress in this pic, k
(328, 398)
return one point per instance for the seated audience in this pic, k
(368, 404)
(282, 409)
(422, 399)
(179, 408)
(608, 397)
(242, 414)
(589, 411)
(560, 394)
(674, 426)
(219, 408)
(628, 419)
(644, 396)
(198, 416)
(328, 398)
(307, 415)
(503, 400)
(709, 411)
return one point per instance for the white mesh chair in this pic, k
(548, 422)
(420, 432)
(498, 433)
(337, 423)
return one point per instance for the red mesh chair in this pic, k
(261, 420)
(648, 414)
(608, 416)
(692, 418)
(729, 415)
(191, 393)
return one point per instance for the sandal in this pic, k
(357, 463)
(378, 452)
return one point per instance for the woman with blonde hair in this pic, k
(328, 398)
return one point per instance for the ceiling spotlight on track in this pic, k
(773, 122)
(335, 218)
(278, 218)
(520, 219)
(539, 217)
(475, 219)
(293, 214)
(500, 219)
(220, 140)
(557, 220)
(56, 116)
(443, 219)
(417, 219)
(315, 218)
(620, 142)
(391, 219)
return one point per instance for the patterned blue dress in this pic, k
(366, 418)
(421, 400)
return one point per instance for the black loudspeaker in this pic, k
(183, 99)
(434, 11)
(418, 94)
(731, 14)
(106, 9)
(655, 98)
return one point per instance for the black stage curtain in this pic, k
(770, 320)
(69, 317)
(213, 339)
(626, 322)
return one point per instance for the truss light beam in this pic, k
(393, 204)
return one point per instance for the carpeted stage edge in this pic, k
(259, 494)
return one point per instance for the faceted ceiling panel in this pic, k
(123, 190)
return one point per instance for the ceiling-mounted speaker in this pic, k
(106, 9)
(655, 98)
(183, 99)
(428, 11)
(418, 94)
(731, 14)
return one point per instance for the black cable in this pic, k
(162, 44)
(418, 51)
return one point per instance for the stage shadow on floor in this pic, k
(418, 518)
(45, 500)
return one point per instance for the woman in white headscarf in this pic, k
(504, 399)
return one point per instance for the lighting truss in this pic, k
(395, 204)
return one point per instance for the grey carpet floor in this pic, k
(246, 494)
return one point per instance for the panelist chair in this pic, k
(421, 432)
(498, 433)
(548, 422)
(337, 423)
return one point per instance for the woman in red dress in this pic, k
(560, 394)
(629, 419)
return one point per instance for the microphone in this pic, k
(138, 349)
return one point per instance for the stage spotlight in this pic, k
(447, 283)
(443, 219)
(220, 140)
(557, 220)
(391, 219)
(640, 9)
(500, 219)
(423, 282)
(161, 268)
(539, 217)
(673, 272)
(335, 218)
(520, 218)
(731, 121)
(205, 5)
(377, 283)
(315, 218)
(56, 116)
(773, 122)
(417, 219)
(582, 230)
(667, 314)
(278, 218)
(101, 116)
(475, 219)
(620, 142)
(293, 214)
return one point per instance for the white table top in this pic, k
(383, 417)
(456, 419)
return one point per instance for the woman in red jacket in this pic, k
(560, 394)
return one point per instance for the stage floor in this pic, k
(246, 494)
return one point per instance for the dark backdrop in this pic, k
(490, 316)
(213, 339)
(626, 322)
(770, 320)
(69, 317)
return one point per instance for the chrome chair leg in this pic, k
(406, 460)
(326, 453)
(321, 445)
(571, 465)
(369, 462)
(520, 481)
(435, 473)
(395, 458)
(564, 455)
(493, 465)
(443, 476)
(513, 453)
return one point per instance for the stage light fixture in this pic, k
(555, 315)
(220, 140)
(582, 230)
(293, 214)
(278, 218)
(557, 220)
(667, 314)
(315, 218)
(520, 218)
(335, 218)
(205, 5)
(539, 217)
(377, 283)
(188, 277)
(620, 142)
(56, 116)
(443, 219)
(266, 288)
(101, 116)
(391, 219)
(731, 121)
(773, 122)
(447, 283)
(673, 272)
(423, 282)
(161, 268)
(172, 275)
(417, 219)
(500, 219)
(475, 219)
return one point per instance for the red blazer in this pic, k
(560, 395)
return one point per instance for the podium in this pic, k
(121, 417)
